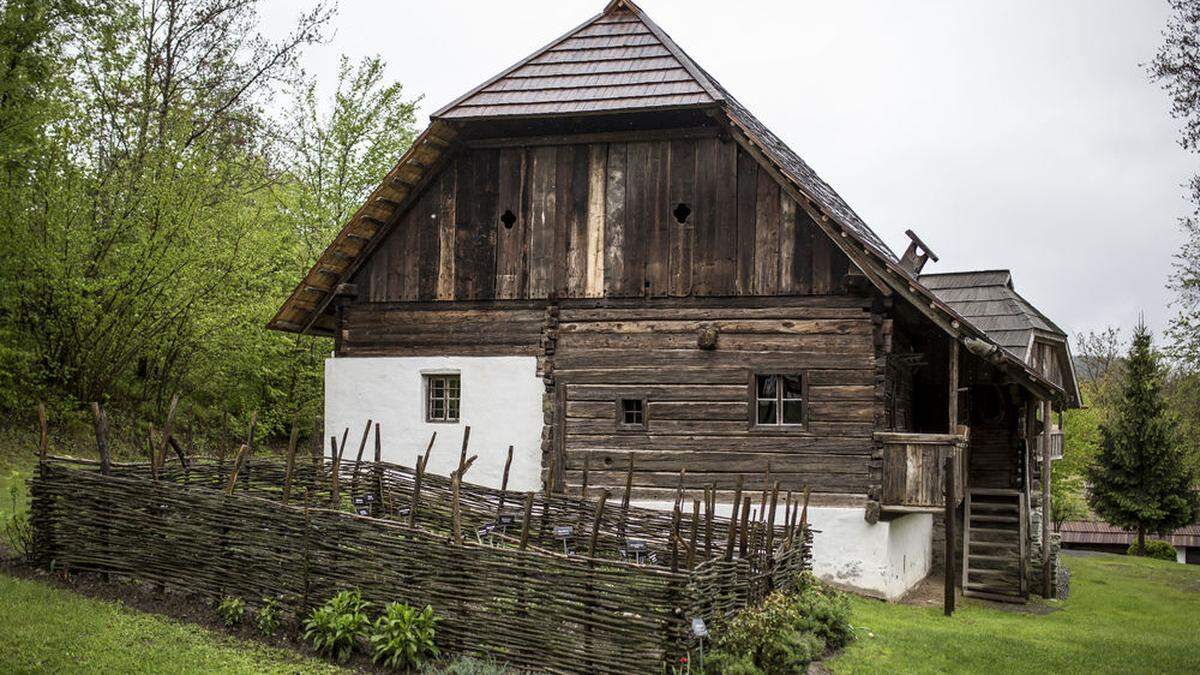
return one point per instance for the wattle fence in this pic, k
(620, 600)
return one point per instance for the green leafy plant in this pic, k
(269, 616)
(1155, 548)
(785, 633)
(18, 530)
(232, 610)
(336, 627)
(404, 636)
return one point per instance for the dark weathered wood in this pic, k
(100, 426)
(43, 436)
(733, 519)
(951, 538)
(291, 458)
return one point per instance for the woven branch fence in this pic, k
(304, 533)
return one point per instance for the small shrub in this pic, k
(18, 530)
(336, 627)
(468, 665)
(785, 633)
(404, 636)
(231, 611)
(1155, 548)
(269, 616)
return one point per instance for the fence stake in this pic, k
(762, 505)
(462, 457)
(100, 424)
(416, 498)
(168, 424)
(291, 459)
(504, 482)
(362, 445)
(429, 448)
(691, 554)
(596, 523)
(525, 520)
(379, 506)
(745, 533)
(771, 520)
(43, 437)
(733, 518)
(625, 499)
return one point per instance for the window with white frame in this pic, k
(442, 395)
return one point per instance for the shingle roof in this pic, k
(1088, 532)
(614, 61)
(989, 301)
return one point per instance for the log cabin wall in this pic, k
(698, 402)
(667, 218)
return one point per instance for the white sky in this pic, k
(1016, 134)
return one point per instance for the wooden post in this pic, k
(150, 452)
(335, 498)
(100, 424)
(166, 431)
(362, 445)
(710, 499)
(948, 516)
(456, 522)
(587, 465)
(745, 527)
(596, 523)
(43, 436)
(504, 482)
(249, 447)
(233, 471)
(674, 535)
(733, 519)
(625, 498)
(762, 506)
(525, 520)
(691, 552)
(1047, 582)
(291, 460)
(378, 473)
(771, 521)
(953, 387)
(416, 498)
(429, 449)
(462, 458)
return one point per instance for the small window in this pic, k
(778, 399)
(442, 394)
(631, 413)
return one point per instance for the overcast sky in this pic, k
(1020, 135)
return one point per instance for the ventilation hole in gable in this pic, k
(681, 212)
(508, 219)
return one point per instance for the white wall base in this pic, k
(885, 559)
(501, 402)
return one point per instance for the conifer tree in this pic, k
(1141, 479)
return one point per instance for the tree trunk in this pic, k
(1141, 540)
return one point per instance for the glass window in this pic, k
(442, 393)
(778, 399)
(632, 413)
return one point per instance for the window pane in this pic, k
(453, 410)
(792, 386)
(766, 412)
(632, 411)
(767, 385)
(793, 412)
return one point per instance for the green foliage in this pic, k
(1155, 548)
(269, 616)
(1067, 501)
(18, 530)
(1141, 479)
(232, 610)
(468, 666)
(336, 627)
(404, 636)
(155, 213)
(786, 632)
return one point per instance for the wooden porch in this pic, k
(913, 468)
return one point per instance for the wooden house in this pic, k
(601, 258)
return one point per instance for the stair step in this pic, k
(984, 506)
(1013, 574)
(994, 544)
(995, 519)
(1000, 558)
(993, 530)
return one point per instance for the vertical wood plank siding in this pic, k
(597, 220)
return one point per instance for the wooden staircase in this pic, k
(994, 545)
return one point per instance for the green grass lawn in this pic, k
(1123, 615)
(52, 630)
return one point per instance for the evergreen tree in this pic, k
(1141, 479)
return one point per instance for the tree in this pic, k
(1175, 66)
(1141, 479)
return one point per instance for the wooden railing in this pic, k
(913, 469)
(1056, 444)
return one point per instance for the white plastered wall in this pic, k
(885, 559)
(501, 401)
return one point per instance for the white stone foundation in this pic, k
(501, 401)
(885, 559)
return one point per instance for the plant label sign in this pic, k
(359, 501)
(363, 511)
(698, 627)
(563, 531)
(506, 519)
(635, 546)
(370, 498)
